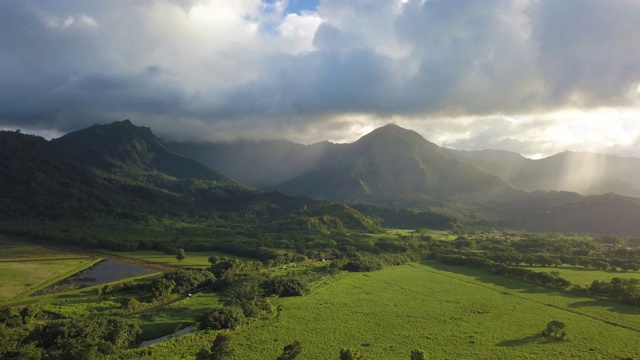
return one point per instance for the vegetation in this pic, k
(418, 355)
(291, 351)
(555, 329)
(180, 255)
(350, 354)
(256, 275)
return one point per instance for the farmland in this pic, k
(585, 277)
(194, 258)
(448, 314)
(447, 311)
(18, 277)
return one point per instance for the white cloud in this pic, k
(535, 76)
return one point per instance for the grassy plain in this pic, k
(445, 235)
(176, 316)
(19, 277)
(193, 258)
(13, 251)
(585, 277)
(448, 313)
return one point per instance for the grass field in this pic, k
(445, 235)
(171, 318)
(449, 312)
(585, 277)
(193, 259)
(445, 312)
(11, 250)
(18, 277)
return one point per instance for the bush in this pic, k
(287, 286)
(229, 317)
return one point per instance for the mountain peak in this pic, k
(394, 134)
(123, 144)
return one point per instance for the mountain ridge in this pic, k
(565, 171)
(123, 145)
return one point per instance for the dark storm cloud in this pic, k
(588, 50)
(200, 67)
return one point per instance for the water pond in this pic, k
(101, 273)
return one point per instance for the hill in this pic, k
(123, 172)
(123, 146)
(567, 212)
(40, 180)
(585, 173)
(401, 170)
(390, 163)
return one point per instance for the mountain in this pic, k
(124, 146)
(40, 180)
(120, 171)
(567, 212)
(391, 163)
(585, 173)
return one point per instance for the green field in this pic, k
(193, 259)
(12, 250)
(585, 277)
(167, 320)
(449, 312)
(445, 312)
(18, 277)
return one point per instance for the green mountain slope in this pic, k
(123, 172)
(391, 163)
(123, 146)
(568, 212)
(40, 180)
(585, 173)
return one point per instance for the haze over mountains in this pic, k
(286, 165)
(123, 172)
(390, 177)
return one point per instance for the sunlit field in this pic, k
(585, 277)
(193, 259)
(448, 314)
(19, 277)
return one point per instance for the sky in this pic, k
(536, 77)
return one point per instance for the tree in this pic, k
(161, 288)
(555, 329)
(350, 354)
(291, 351)
(180, 255)
(229, 317)
(418, 354)
(129, 304)
(221, 347)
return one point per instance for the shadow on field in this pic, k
(484, 277)
(613, 307)
(532, 339)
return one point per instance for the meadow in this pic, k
(21, 277)
(193, 258)
(585, 277)
(447, 313)
(25, 268)
(450, 312)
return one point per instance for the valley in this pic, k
(444, 310)
(391, 245)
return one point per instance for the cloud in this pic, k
(457, 71)
(587, 50)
